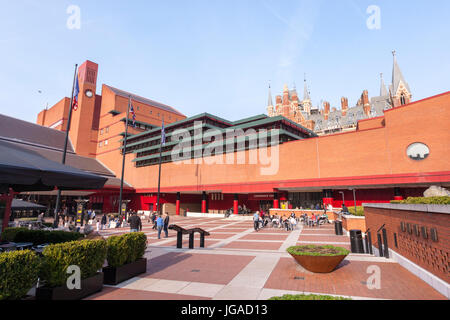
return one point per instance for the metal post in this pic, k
(159, 175)
(380, 245)
(191, 240)
(123, 159)
(58, 198)
(179, 240)
(386, 246)
(370, 243)
(354, 199)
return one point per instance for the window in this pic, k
(107, 130)
(158, 114)
(402, 100)
(100, 144)
(151, 112)
(106, 142)
(101, 132)
(418, 151)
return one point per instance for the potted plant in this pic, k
(125, 257)
(19, 274)
(318, 259)
(88, 255)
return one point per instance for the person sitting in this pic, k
(345, 209)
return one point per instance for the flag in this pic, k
(75, 96)
(163, 134)
(133, 115)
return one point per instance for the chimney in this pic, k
(326, 111)
(286, 95)
(366, 103)
(344, 106)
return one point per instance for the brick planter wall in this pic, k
(433, 256)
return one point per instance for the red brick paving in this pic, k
(109, 293)
(262, 236)
(214, 268)
(254, 245)
(396, 282)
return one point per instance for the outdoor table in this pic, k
(24, 246)
(8, 247)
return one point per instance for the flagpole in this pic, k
(159, 176)
(58, 198)
(123, 158)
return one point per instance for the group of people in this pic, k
(262, 220)
(160, 222)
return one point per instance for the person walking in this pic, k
(154, 220)
(256, 221)
(135, 222)
(166, 225)
(159, 225)
(103, 222)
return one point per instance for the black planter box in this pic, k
(117, 275)
(89, 286)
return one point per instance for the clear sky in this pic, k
(218, 56)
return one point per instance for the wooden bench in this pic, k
(180, 231)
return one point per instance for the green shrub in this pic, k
(313, 250)
(423, 200)
(307, 297)
(18, 273)
(38, 237)
(10, 234)
(359, 211)
(89, 255)
(126, 248)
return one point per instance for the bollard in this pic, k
(385, 243)
(356, 241)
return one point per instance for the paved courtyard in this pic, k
(241, 264)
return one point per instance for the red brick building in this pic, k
(397, 154)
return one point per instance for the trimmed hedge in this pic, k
(38, 237)
(309, 251)
(307, 297)
(126, 248)
(19, 273)
(89, 255)
(423, 200)
(359, 211)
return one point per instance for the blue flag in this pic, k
(163, 134)
(133, 115)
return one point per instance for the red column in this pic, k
(178, 204)
(8, 198)
(398, 194)
(204, 202)
(236, 204)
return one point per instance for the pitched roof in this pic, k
(134, 97)
(397, 76)
(18, 130)
(49, 143)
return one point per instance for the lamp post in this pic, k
(354, 198)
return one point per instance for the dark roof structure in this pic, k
(49, 144)
(137, 98)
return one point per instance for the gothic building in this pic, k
(331, 120)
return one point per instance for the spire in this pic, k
(270, 103)
(383, 90)
(397, 76)
(306, 92)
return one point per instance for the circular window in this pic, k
(418, 151)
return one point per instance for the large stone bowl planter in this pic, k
(318, 262)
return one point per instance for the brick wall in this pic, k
(433, 256)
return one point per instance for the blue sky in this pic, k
(219, 56)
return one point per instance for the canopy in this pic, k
(25, 170)
(18, 204)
